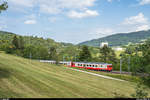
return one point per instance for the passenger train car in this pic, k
(86, 65)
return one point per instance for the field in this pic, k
(22, 78)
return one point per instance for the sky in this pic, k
(75, 21)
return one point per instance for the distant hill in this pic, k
(119, 39)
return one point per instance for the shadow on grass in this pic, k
(4, 73)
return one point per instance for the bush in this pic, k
(140, 91)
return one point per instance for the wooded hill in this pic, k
(119, 39)
(67, 50)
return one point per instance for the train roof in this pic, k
(93, 63)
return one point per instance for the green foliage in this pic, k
(85, 54)
(15, 42)
(53, 54)
(140, 91)
(9, 49)
(21, 43)
(107, 55)
(3, 6)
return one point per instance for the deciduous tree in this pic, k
(85, 54)
(3, 6)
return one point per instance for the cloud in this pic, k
(109, 0)
(53, 19)
(23, 3)
(30, 22)
(101, 32)
(3, 24)
(54, 6)
(59, 6)
(139, 19)
(1, 28)
(143, 27)
(144, 2)
(86, 13)
(136, 23)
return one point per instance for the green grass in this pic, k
(22, 78)
(118, 53)
(119, 76)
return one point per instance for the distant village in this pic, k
(120, 48)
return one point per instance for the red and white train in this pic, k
(86, 65)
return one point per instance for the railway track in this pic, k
(118, 72)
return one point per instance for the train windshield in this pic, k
(109, 66)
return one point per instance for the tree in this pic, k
(146, 62)
(107, 54)
(140, 64)
(15, 42)
(85, 54)
(3, 6)
(21, 43)
(53, 54)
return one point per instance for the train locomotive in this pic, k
(86, 65)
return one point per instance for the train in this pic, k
(87, 65)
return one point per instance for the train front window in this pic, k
(109, 65)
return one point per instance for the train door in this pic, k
(72, 64)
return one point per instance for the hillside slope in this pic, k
(119, 39)
(34, 40)
(21, 77)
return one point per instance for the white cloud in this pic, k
(49, 9)
(144, 2)
(139, 19)
(3, 23)
(1, 28)
(86, 13)
(55, 6)
(136, 23)
(76, 3)
(101, 32)
(30, 22)
(143, 27)
(24, 3)
(109, 0)
(53, 19)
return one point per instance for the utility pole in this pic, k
(129, 64)
(120, 65)
(63, 58)
(75, 58)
